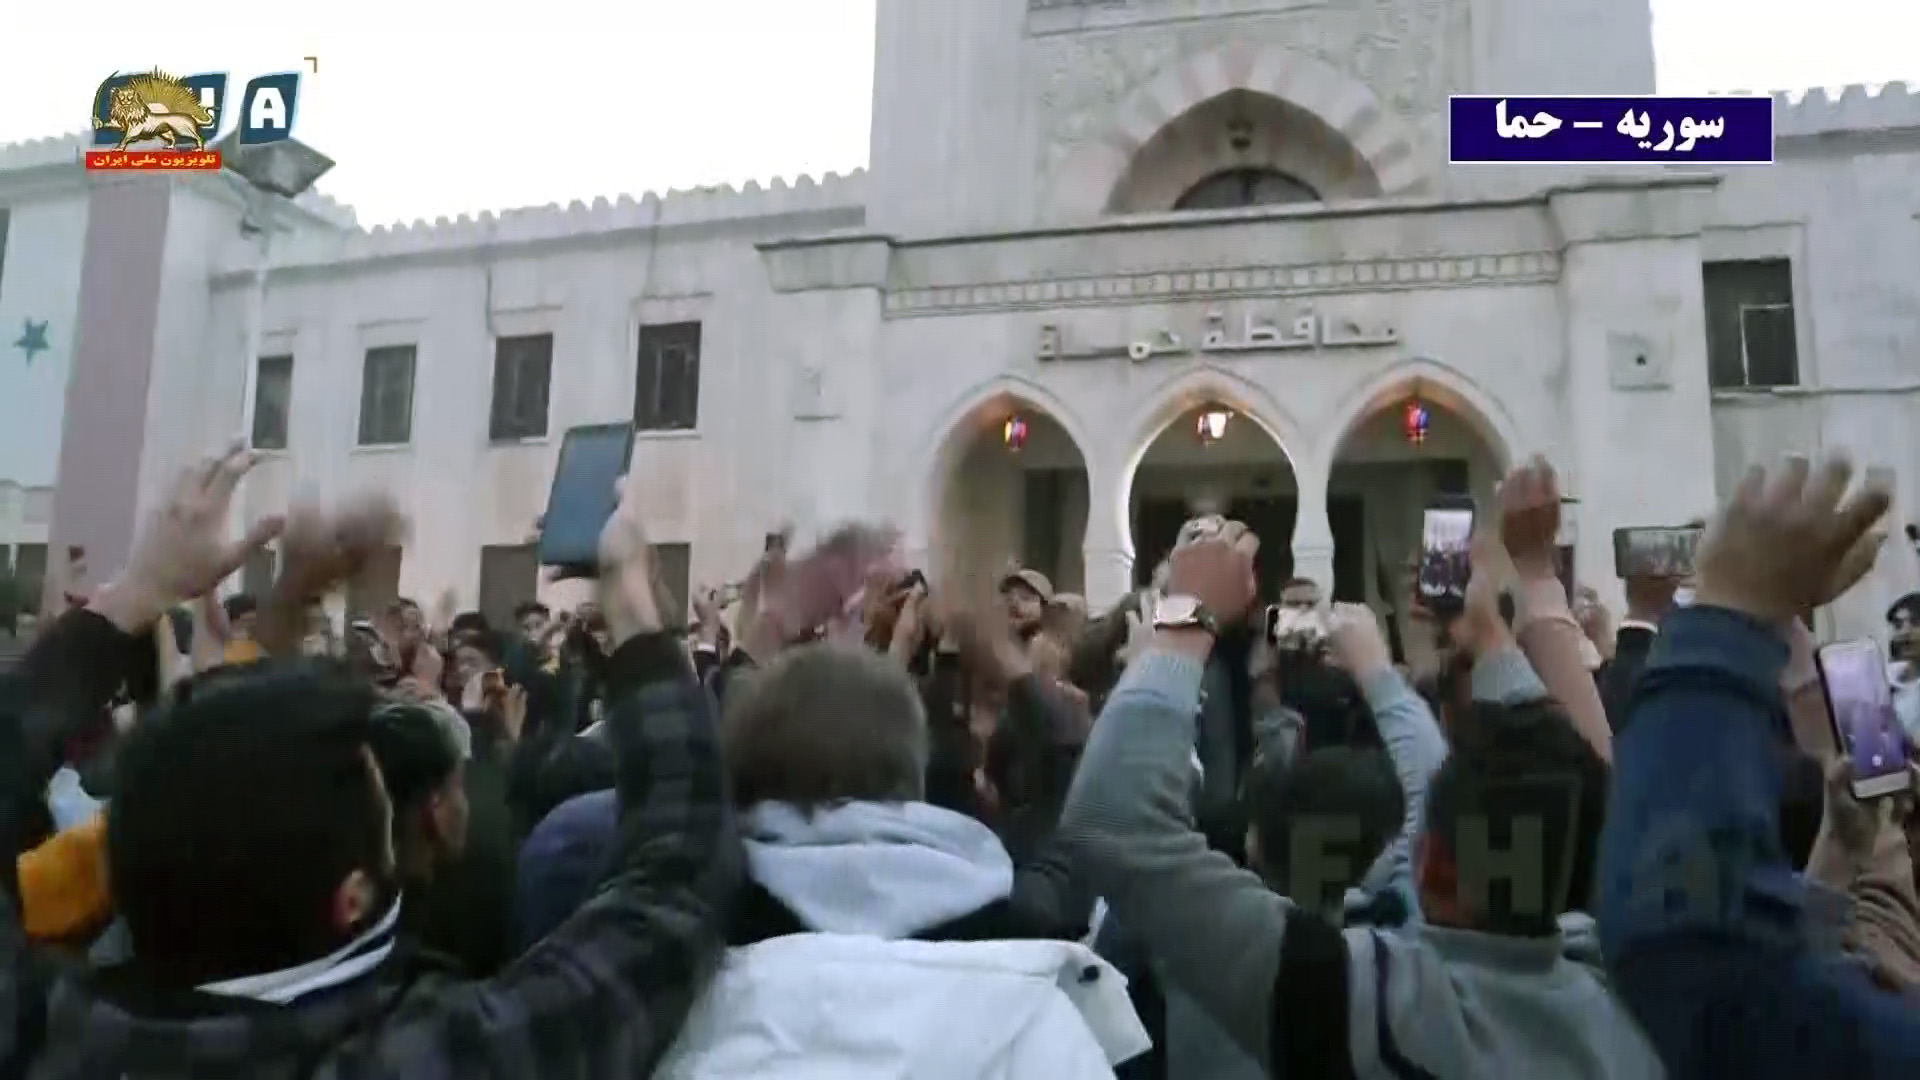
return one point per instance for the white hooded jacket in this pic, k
(857, 1002)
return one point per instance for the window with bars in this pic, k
(375, 586)
(509, 577)
(1233, 189)
(673, 567)
(30, 568)
(386, 396)
(272, 400)
(522, 370)
(256, 576)
(666, 395)
(1751, 340)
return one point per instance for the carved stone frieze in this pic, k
(1375, 275)
(1410, 53)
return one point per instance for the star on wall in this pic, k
(33, 339)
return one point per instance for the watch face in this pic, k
(1176, 610)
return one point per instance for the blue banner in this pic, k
(1609, 130)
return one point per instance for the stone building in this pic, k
(1094, 235)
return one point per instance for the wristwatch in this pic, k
(1182, 613)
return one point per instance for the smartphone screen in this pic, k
(1860, 702)
(592, 460)
(1446, 536)
(1655, 551)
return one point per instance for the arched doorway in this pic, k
(1012, 489)
(1212, 459)
(1406, 446)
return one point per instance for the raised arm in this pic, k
(1211, 927)
(605, 994)
(1703, 921)
(1407, 728)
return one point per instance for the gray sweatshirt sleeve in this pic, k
(1417, 748)
(1212, 928)
(1506, 678)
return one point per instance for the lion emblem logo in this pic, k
(155, 106)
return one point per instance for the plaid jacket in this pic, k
(603, 996)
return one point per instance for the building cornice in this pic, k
(1227, 283)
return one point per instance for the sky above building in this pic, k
(430, 113)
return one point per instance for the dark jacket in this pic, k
(1622, 673)
(465, 913)
(1704, 924)
(603, 996)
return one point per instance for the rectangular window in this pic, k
(256, 577)
(272, 397)
(509, 577)
(672, 565)
(30, 567)
(666, 395)
(376, 586)
(386, 396)
(522, 368)
(1751, 339)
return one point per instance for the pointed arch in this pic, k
(1389, 145)
(960, 423)
(1437, 382)
(1200, 385)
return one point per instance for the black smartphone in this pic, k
(1853, 675)
(1655, 551)
(1446, 540)
(592, 460)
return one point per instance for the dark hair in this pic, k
(577, 765)
(1509, 764)
(1343, 783)
(530, 607)
(486, 642)
(1326, 697)
(470, 622)
(237, 815)
(825, 724)
(414, 753)
(1908, 605)
(240, 604)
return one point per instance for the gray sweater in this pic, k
(1454, 1003)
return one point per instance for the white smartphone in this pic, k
(1860, 702)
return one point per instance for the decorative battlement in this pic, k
(1858, 108)
(679, 208)
(61, 150)
(38, 153)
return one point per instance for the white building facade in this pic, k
(1097, 220)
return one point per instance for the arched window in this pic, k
(1232, 188)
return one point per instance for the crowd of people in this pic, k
(860, 824)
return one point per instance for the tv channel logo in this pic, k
(156, 121)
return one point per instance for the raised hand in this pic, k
(629, 595)
(319, 549)
(183, 550)
(1792, 540)
(1214, 563)
(1358, 646)
(1529, 501)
